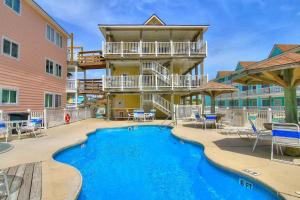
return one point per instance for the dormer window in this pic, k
(14, 5)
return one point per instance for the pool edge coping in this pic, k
(220, 165)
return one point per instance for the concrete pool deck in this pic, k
(60, 181)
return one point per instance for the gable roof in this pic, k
(222, 74)
(278, 61)
(155, 20)
(281, 48)
(244, 65)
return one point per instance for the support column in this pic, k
(202, 82)
(108, 107)
(197, 80)
(107, 69)
(76, 86)
(84, 78)
(141, 101)
(172, 106)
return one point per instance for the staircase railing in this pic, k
(162, 103)
(156, 67)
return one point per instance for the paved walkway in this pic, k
(25, 182)
(62, 181)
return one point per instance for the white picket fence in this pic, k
(234, 116)
(183, 112)
(55, 117)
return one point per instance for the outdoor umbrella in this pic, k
(213, 89)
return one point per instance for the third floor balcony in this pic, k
(155, 49)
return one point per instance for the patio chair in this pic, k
(285, 134)
(259, 134)
(150, 115)
(198, 119)
(5, 182)
(210, 119)
(4, 130)
(130, 115)
(138, 115)
(32, 127)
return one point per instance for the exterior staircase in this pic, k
(159, 102)
(163, 73)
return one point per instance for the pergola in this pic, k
(214, 89)
(282, 70)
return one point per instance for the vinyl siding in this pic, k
(28, 72)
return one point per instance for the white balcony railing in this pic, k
(71, 85)
(155, 48)
(152, 82)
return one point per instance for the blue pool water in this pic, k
(147, 162)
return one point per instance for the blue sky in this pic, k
(239, 29)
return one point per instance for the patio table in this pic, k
(268, 125)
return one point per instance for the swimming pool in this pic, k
(147, 162)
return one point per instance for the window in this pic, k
(14, 4)
(52, 100)
(265, 102)
(57, 101)
(278, 102)
(49, 67)
(58, 70)
(10, 48)
(54, 36)
(53, 68)
(8, 96)
(48, 100)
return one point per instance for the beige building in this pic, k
(151, 65)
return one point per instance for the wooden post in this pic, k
(290, 97)
(213, 105)
(72, 48)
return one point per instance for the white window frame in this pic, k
(11, 8)
(60, 37)
(12, 89)
(54, 68)
(53, 99)
(61, 70)
(10, 40)
(45, 65)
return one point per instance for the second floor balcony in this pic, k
(152, 83)
(156, 49)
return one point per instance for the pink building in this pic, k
(33, 58)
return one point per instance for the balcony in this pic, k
(71, 85)
(152, 83)
(86, 59)
(155, 49)
(90, 86)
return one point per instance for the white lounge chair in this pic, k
(5, 182)
(260, 134)
(285, 134)
(4, 130)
